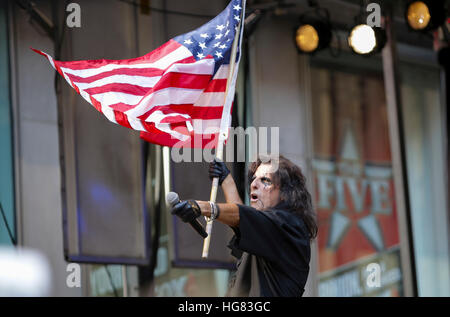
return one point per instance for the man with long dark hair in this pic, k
(272, 235)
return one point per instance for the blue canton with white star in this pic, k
(216, 37)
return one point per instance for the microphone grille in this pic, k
(172, 198)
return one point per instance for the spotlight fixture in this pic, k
(313, 33)
(367, 40)
(425, 15)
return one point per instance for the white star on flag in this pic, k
(217, 44)
(188, 41)
(223, 46)
(237, 7)
(219, 36)
(220, 27)
(202, 45)
(200, 55)
(219, 55)
(226, 33)
(237, 18)
(204, 35)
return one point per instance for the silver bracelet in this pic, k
(214, 213)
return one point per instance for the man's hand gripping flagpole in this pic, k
(225, 124)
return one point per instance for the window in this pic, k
(425, 146)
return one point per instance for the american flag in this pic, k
(175, 95)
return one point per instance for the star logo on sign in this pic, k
(343, 218)
(237, 7)
(200, 55)
(220, 27)
(188, 42)
(204, 35)
(219, 55)
(202, 45)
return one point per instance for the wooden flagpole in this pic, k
(222, 137)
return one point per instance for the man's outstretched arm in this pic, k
(189, 210)
(229, 213)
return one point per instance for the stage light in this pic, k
(307, 38)
(418, 15)
(312, 36)
(365, 40)
(425, 15)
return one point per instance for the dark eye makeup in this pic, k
(265, 180)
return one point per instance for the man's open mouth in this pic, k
(253, 197)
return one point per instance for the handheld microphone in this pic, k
(172, 199)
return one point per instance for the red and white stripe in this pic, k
(167, 95)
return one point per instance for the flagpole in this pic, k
(222, 138)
